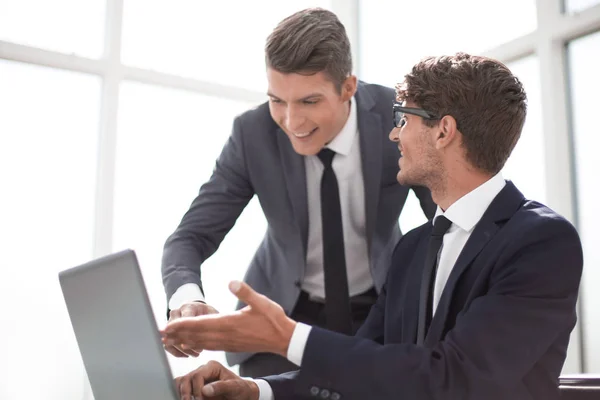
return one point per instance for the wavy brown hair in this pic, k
(487, 101)
(308, 42)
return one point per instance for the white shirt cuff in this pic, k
(185, 294)
(298, 343)
(264, 389)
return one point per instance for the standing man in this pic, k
(478, 305)
(318, 158)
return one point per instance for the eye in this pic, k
(402, 122)
(309, 102)
(277, 101)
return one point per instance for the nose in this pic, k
(293, 119)
(395, 135)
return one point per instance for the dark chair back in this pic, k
(580, 387)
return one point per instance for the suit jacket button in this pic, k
(314, 391)
(335, 396)
(325, 394)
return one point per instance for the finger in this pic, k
(184, 387)
(184, 327)
(212, 371)
(178, 347)
(188, 351)
(247, 295)
(177, 385)
(221, 388)
(175, 352)
(176, 332)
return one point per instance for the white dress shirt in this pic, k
(464, 214)
(347, 166)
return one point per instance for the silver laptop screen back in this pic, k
(116, 330)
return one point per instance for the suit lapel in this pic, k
(294, 173)
(410, 315)
(502, 208)
(371, 142)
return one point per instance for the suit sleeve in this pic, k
(495, 342)
(210, 217)
(373, 326)
(425, 200)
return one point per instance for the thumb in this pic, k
(247, 295)
(220, 388)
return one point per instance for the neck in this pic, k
(342, 122)
(455, 185)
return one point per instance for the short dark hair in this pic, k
(487, 101)
(310, 41)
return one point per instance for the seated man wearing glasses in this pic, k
(477, 305)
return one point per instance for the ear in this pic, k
(349, 87)
(445, 132)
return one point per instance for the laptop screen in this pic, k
(116, 330)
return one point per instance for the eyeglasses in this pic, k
(399, 112)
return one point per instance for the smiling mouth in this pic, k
(303, 135)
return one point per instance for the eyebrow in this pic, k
(310, 96)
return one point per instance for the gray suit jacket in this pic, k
(258, 159)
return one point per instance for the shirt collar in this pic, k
(468, 210)
(342, 142)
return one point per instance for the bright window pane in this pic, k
(526, 165)
(223, 42)
(48, 141)
(395, 35)
(168, 141)
(66, 26)
(585, 84)
(412, 215)
(575, 6)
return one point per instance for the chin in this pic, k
(404, 179)
(304, 150)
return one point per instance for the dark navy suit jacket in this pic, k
(500, 331)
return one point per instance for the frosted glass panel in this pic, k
(395, 35)
(48, 140)
(217, 41)
(168, 141)
(526, 165)
(584, 59)
(66, 26)
(576, 6)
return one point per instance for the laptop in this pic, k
(116, 330)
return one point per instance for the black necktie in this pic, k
(337, 300)
(427, 281)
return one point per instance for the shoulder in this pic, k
(410, 240)
(537, 221)
(258, 116)
(378, 92)
(536, 240)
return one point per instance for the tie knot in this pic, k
(441, 226)
(326, 157)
